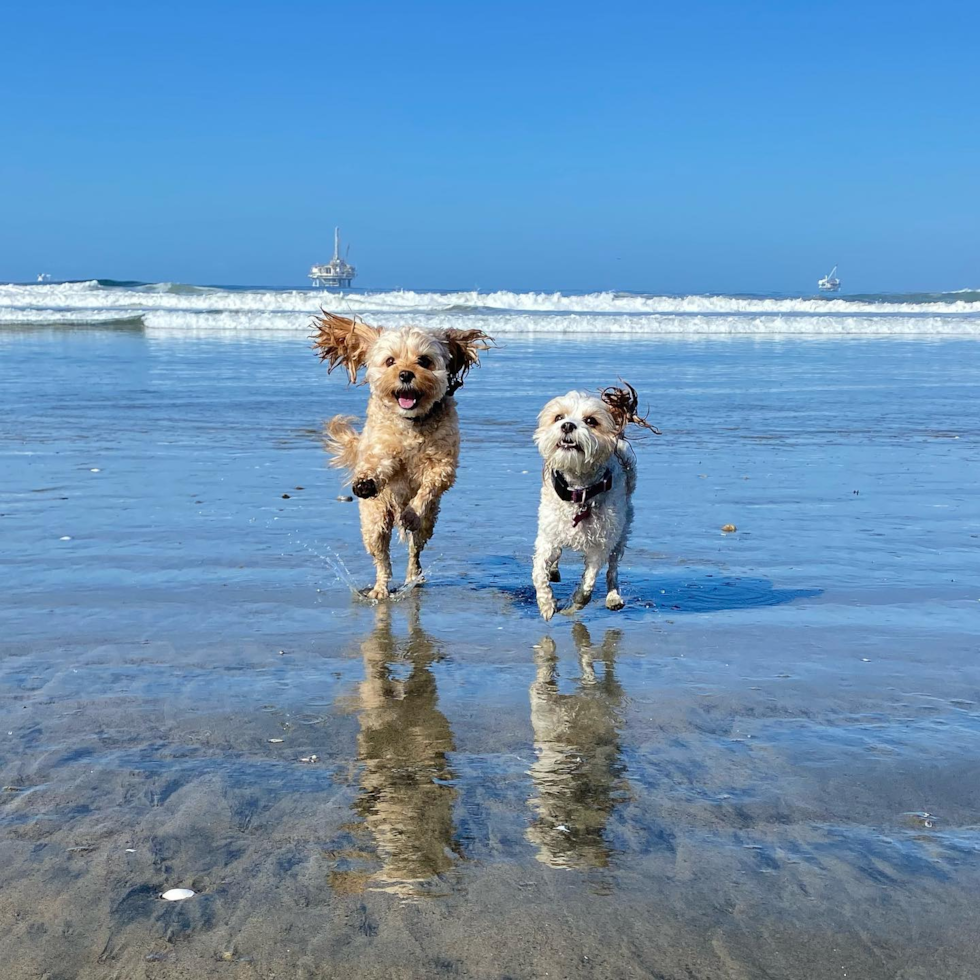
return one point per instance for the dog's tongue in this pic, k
(406, 402)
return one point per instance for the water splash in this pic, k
(338, 566)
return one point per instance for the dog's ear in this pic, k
(623, 404)
(340, 340)
(464, 348)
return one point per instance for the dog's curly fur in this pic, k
(405, 458)
(581, 436)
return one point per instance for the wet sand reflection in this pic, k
(406, 794)
(579, 776)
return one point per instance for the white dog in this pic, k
(586, 495)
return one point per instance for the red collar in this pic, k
(581, 495)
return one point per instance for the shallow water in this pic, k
(730, 778)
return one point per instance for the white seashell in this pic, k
(95, 469)
(177, 894)
(65, 538)
(275, 741)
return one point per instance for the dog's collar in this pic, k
(580, 495)
(437, 409)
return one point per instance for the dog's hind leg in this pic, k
(417, 540)
(376, 524)
(553, 574)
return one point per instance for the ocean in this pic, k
(765, 765)
(178, 308)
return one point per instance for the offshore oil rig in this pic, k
(337, 272)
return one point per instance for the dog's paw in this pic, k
(547, 608)
(365, 489)
(378, 592)
(614, 601)
(410, 520)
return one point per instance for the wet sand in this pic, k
(766, 766)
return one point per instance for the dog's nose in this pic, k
(568, 427)
(406, 376)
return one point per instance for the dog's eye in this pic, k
(558, 418)
(425, 362)
(389, 361)
(591, 422)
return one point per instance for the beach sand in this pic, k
(765, 766)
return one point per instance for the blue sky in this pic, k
(662, 147)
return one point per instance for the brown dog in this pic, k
(405, 458)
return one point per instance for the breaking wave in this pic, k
(179, 308)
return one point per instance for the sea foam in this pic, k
(176, 308)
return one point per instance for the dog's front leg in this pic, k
(546, 557)
(418, 516)
(614, 600)
(372, 473)
(437, 479)
(417, 540)
(583, 594)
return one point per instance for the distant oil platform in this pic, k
(337, 273)
(830, 283)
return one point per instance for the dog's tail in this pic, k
(340, 439)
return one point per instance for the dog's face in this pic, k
(576, 433)
(410, 369)
(407, 371)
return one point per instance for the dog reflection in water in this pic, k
(406, 794)
(578, 776)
